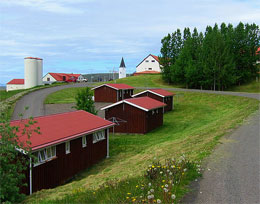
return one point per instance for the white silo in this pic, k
(39, 66)
(30, 72)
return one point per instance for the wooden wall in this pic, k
(138, 121)
(55, 172)
(105, 94)
(168, 101)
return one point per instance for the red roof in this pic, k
(59, 76)
(16, 81)
(155, 57)
(145, 103)
(117, 86)
(162, 92)
(258, 51)
(62, 127)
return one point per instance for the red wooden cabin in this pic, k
(159, 95)
(112, 92)
(68, 143)
(135, 115)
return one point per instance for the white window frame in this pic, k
(47, 157)
(67, 147)
(99, 136)
(84, 141)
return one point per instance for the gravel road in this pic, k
(232, 172)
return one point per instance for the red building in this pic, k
(112, 92)
(159, 95)
(68, 143)
(135, 115)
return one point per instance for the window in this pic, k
(146, 60)
(84, 141)
(98, 136)
(67, 147)
(157, 111)
(48, 79)
(153, 112)
(44, 155)
(150, 69)
(153, 60)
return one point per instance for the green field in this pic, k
(5, 95)
(194, 127)
(252, 87)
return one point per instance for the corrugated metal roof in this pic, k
(62, 127)
(16, 81)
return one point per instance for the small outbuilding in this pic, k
(160, 95)
(15, 84)
(112, 92)
(67, 144)
(135, 115)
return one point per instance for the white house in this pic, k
(15, 84)
(59, 77)
(149, 64)
(122, 69)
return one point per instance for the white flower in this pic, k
(150, 165)
(151, 190)
(149, 184)
(148, 192)
(141, 196)
(165, 190)
(173, 159)
(154, 158)
(168, 170)
(172, 166)
(149, 197)
(159, 201)
(170, 173)
(173, 196)
(166, 185)
(154, 169)
(152, 196)
(161, 172)
(184, 170)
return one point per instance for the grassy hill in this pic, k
(193, 128)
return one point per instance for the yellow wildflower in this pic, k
(163, 181)
(137, 186)
(128, 193)
(127, 197)
(94, 193)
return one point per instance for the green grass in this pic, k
(148, 80)
(252, 87)
(194, 127)
(5, 95)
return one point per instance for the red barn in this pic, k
(159, 95)
(68, 143)
(135, 115)
(112, 92)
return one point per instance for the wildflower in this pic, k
(163, 181)
(174, 166)
(159, 201)
(151, 190)
(155, 169)
(168, 170)
(161, 172)
(152, 196)
(94, 193)
(183, 173)
(148, 192)
(166, 185)
(127, 197)
(173, 196)
(128, 193)
(152, 166)
(137, 186)
(158, 166)
(134, 200)
(149, 184)
(162, 186)
(165, 190)
(154, 158)
(141, 196)
(164, 167)
(184, 169)
(173, 159)
(170, 173)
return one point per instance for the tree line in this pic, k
(216, 59)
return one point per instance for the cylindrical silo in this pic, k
(30, 72)
(39, 65)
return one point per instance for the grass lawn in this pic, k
(252, 87)
(148, 80)
(193, 128)
(5, 95)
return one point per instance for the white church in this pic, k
(122, 69)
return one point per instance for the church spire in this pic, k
(122, 64)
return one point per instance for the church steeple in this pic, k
(122, 64)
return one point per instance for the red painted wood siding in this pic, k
(57, 171)
(138, 121)
(168, 101)
(105, 94)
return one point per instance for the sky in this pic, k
(91, 36)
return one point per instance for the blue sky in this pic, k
(91, 36)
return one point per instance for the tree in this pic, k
(85, 102)
(14, 157)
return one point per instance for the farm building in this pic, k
(68, 143)
(112, 92)
(60, 77)
(149, 65)
(135, 115)
(15, 84)
(160, 95)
